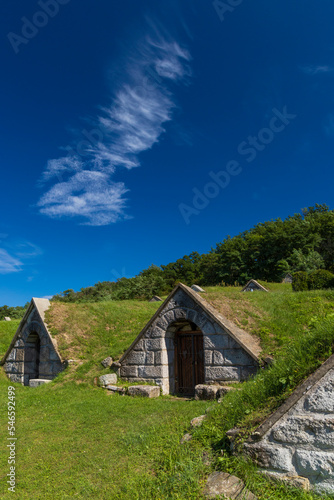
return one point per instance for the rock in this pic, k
(269, 456)
(109, 379)
(155, 298)
(294, 481)
(146, 391)
(222, 483)
(35, 382)
(206, 391)
(186, 438)
(114, 389)
(197, 421)
(107, 362)
(197, 288)
(6, 318)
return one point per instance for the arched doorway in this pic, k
(32, 357)
(189, 358)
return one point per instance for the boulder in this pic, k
(197, 288)
(35, 382)
(206, 391)
(6, 318)
(146, 391)
(109, 379)
(222, 483)
(197, 421)
(107, 362)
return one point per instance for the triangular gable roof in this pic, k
(256, 283)
(41, 306)
(293, 399)
(246, 341)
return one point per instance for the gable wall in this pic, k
(301, 443)
(17, 368)
(252, 286)
(152, 357)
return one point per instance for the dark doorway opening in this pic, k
(32, 357)
(189, 359)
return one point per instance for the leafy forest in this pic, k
(302, 244)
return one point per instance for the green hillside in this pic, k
(7, 331)
(76, 441)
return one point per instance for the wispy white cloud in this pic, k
(16, 254)
(314, 69)
(89, 194)
(133, 122)
(8, 263)
(27, 250)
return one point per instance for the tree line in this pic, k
(16, 312)
(269, 250)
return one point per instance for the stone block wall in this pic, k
(20, 363)
(301, 442)
(152, 356)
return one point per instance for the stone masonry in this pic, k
(298, 439)
(32, 353)
(230, 354)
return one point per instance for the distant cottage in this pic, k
(287, 278)
(32, 354)
(187, 342)
(253, 285)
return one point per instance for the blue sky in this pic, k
(135, 132)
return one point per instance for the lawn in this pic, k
(74, 440)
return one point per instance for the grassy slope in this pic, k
(74, 440)
(7, 332)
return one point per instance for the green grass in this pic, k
(76, 441)
(7, 332)
(91, 332)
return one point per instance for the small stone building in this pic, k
(252, 286)
(287, 278)
(297, 441)
(187, 342)
(32, 353)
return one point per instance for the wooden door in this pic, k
(32, 356)
(189, 364)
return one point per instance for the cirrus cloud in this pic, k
(132, 123)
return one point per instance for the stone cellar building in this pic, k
(33, 353)
(187, 342)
